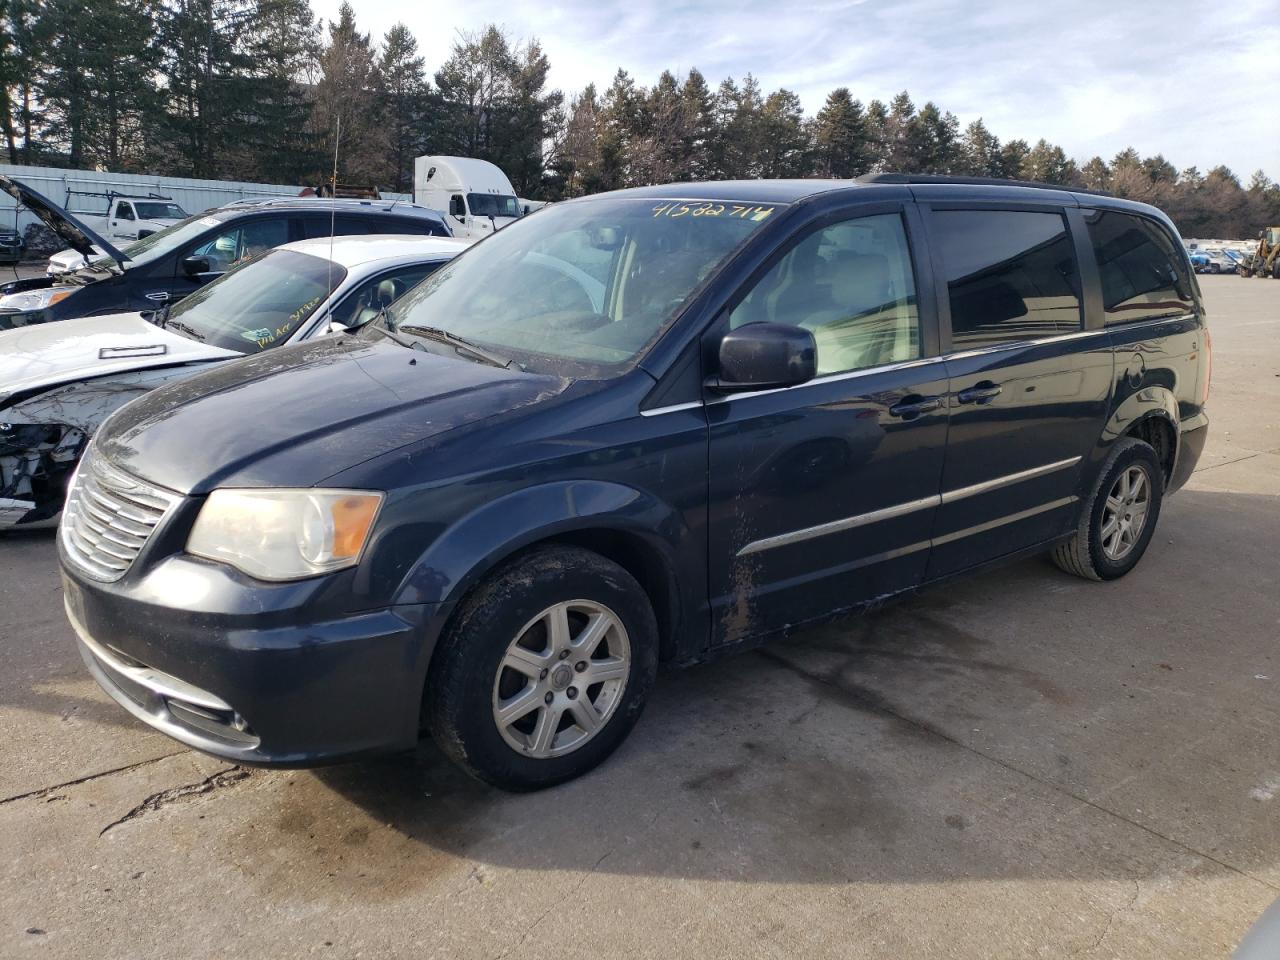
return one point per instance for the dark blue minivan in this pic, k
(646, 426)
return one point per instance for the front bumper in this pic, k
(221, 671)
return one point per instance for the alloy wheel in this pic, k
(1125, 513)
(561, 678)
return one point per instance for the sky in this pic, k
(1195, 81)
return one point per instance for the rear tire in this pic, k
(1119, 518)
(544, 670)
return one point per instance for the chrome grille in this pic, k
(108, 517)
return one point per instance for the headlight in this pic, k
(29, 300)
(284, 534)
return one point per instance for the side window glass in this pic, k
(125, 211)
(348, 226)
(259, 236)
(221, 250)
(1143, 277)
(851, 284)
(457, 207)
(364, 303)
(1011, 275)
(315, 226)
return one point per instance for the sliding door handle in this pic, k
(984, 391)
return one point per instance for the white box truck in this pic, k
(475, 196)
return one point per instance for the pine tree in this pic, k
(1013, 160)
(1047, 163)
(529, 116)
(933, 139)
(580, 162)
(97, 85)
(284, 45)
(700, 131)
(206, 128)
(620, 119)
(980, 152)
(738, 111)
(878, 135)
(473, 85)
(1095, 174)
(347, 97)
(404, 97)
(784, 148)
(841, 147)
(28, 36)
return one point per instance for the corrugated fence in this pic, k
(66, 188)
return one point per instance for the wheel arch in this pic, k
(637, 531)
(1150, 415)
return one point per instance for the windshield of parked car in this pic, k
(492, 205)
(258, 304)
(149, 210)
(584, 287)
(156, 245)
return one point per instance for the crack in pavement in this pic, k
(1111, 919)
(215, 781)
(560, 902)
(45, 791)
(865, 703)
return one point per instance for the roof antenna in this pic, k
(333, 205)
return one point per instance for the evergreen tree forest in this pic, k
(256, 89)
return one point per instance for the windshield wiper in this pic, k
(158, 316)
(184, 329)
(461, 345)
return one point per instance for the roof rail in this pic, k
(341, 203)
(923, 178)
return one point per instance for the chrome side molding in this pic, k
(911, 506)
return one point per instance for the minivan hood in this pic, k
(49, 354)
(71, 231)
(293, 416)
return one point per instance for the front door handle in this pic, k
(984, 391)
(160, 296)
(910, 407)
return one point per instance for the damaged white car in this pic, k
(60, 381)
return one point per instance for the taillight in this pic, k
(1208, 365)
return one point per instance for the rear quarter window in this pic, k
(346, 225)
(1011, 275)
(1143, 274)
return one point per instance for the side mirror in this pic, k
(763, 356)
(193, 266)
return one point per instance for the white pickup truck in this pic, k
(127, 219)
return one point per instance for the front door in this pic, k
(230, 246)
(822, 496)
(1029, 383)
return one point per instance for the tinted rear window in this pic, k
(1143, 276)
(1011, 275)
(349, 225)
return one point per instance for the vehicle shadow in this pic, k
(1005, 726)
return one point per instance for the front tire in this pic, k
(544, 670)
(1119, 518)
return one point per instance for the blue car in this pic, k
(653, 425)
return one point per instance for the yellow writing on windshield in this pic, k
(675, 209)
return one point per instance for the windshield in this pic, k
(492, 205)
(257, 304)
(588, 285)
(157, 244)
(149, 210)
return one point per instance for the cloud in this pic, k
(1183, 78)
